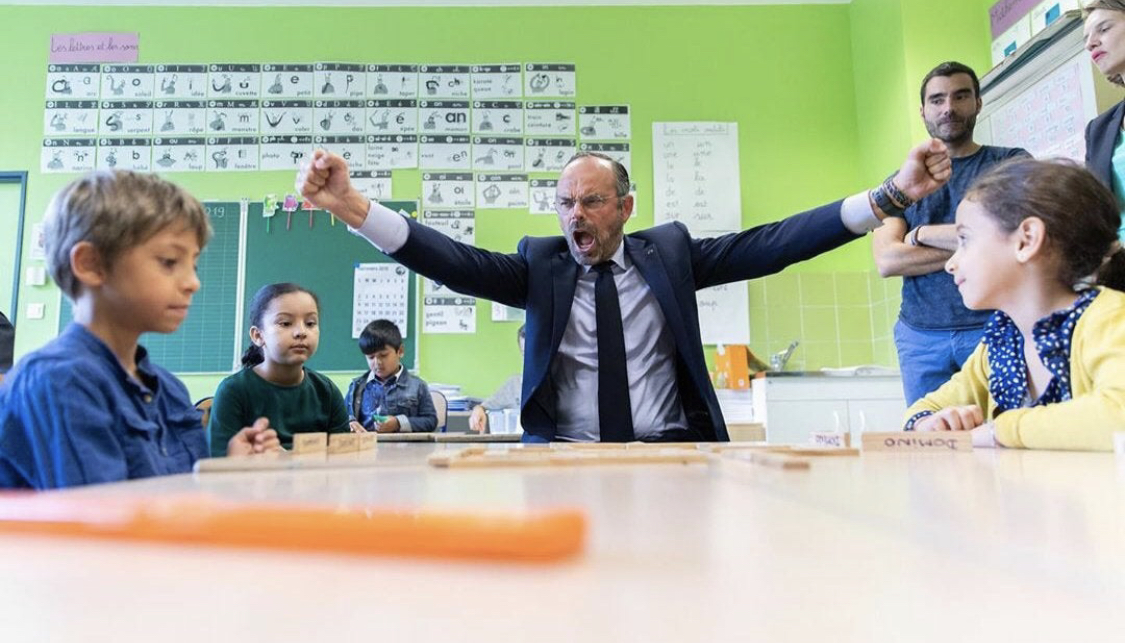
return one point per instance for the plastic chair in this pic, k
(441, 406)
(205, 406)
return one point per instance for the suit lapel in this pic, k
(646, 257)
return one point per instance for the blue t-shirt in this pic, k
(71, 415)
(932, 301)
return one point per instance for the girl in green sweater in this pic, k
(274, 382)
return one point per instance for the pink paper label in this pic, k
(1005, 13)
(94, 47)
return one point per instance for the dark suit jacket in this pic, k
(1101, 137)
(541, 277)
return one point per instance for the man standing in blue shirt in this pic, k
(935, 333)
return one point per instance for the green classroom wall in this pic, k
(820, 92)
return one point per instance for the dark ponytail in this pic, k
(258, 306)
(252, 356)
(1112, 272)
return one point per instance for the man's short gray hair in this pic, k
(620, 174)
(115, 211)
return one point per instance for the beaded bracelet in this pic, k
(897, 195)
(884, 203)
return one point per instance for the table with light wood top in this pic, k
(985, 546)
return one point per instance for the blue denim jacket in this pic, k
(71, 415)
(405, 396)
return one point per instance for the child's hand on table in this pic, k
(390, 425)
(258, 438)
(954, 418)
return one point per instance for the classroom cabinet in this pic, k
(794, 405)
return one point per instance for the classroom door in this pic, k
(11, 215)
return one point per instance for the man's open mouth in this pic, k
(583, 240)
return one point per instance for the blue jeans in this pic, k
(928, 358)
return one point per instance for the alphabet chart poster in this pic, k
(445, 311)
(456, 314)
(374, 184)
(380, 292)
(459, 225)
(263, 116)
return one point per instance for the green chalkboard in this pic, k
(205, 342)
(321, 258)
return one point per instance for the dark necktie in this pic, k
(615, 413)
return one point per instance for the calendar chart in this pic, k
(380, 291)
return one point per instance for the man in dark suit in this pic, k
(613, 348)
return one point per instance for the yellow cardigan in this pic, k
(1096, 409)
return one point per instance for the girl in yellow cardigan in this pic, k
(1050, 370)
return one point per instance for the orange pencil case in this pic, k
(200, 520)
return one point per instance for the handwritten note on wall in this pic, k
(696, 176)
(724, 314)
(95, 46)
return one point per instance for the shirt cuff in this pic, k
(857, 214)
(403, 424)
(384, 228)
(984, 436)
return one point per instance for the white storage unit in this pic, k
(794, 405)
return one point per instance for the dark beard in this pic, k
(966, 134)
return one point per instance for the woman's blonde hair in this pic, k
(1108, 5)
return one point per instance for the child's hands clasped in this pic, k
(390, 425)
(953, 418)
(259, 438)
